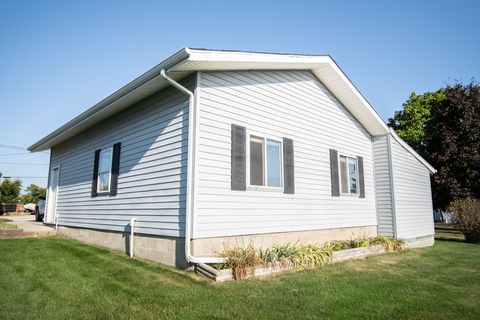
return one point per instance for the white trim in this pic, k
(251, 187)
(47, 207)
(413, 152)
(104, 192)
(356, 194)
(392, 185)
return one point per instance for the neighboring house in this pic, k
(246, 148)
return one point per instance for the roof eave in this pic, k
(47, 142)
(189, 60)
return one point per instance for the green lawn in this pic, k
(446, 231)
(56, 278)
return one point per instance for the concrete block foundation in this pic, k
(211, 246)
(169, 251)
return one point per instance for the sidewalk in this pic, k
(31, 227)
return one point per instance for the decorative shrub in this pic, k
(242, 261)
(308, 255)
(467, 217)
(390, 244)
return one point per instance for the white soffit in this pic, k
(189, 60)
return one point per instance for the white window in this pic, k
(104, 170)
(348, 175)
(265, 162)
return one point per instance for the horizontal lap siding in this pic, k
(152, 179)
(292, 104)
(413, 198)
(383, 186)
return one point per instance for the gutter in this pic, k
(192, 111)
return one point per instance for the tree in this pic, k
(9, 191)
(410, 122)
(452, 144)
(33, 194)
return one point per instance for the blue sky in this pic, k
(57, 58)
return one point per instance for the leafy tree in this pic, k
(410, 122)
(33, 194)
(9, 191)
(452, 144)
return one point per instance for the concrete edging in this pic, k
(337, 256)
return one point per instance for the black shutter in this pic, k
(115, 169)
(334, 173)
(239, 160)
(95, 173)
(361, 178)
(288, 167)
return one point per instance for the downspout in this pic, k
(132, 234)
(190, 173)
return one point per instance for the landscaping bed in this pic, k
(242, 263)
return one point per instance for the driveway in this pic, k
(30, 226)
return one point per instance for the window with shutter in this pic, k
(106, 170)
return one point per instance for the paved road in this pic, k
(28, 224)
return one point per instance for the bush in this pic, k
(241, 260)
(467, 218)
(390, 244)
(306, 255)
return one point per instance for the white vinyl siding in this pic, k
(292, 104)
(383, 190)
(413, 198)
(153, 164)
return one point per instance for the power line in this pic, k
(15, 177)
(25, 164)
(8, 146)
(11, 147)
(13, 154)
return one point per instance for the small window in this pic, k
(265, 162)
(348, 175)
(104, 170)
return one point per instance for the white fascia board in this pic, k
(413, 152)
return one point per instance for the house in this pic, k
(213, 149)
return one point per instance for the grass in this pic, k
(446, 231)
(8, 226)
(57, 278)
(4, 224)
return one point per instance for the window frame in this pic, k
(279, 140)
(357, 193)
(100, 192)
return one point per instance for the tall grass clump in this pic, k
(294, 255)
(242, 261)
(390, 244)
